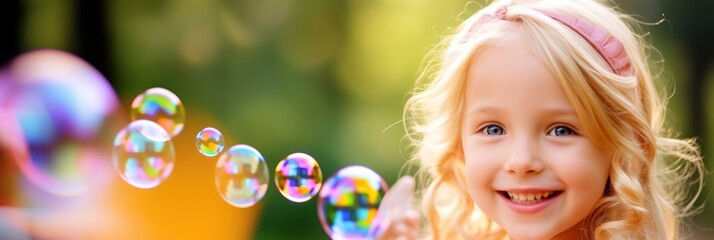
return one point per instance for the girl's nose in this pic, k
(523, 157)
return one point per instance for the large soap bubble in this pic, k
(349, 201)
(61, 108)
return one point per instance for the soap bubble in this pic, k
(143, 154)
(298, 177)
(160, 106)
(58, 109)
(349, 201)
(242, 176)
(209, 141)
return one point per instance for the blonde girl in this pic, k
(539, 119)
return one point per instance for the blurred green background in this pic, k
(324, 77)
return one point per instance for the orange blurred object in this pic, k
(186, 206)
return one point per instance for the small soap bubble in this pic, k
(209, 142)
(298, 177)
(143, 154)
(242, 176)
(349, 201)
(160, 106)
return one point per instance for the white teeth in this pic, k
(530, 198)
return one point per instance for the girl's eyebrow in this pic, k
(484, 108)
(492, 109)
(559, 110)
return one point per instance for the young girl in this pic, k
(540, 120)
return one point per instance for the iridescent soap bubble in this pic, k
(160, 106)
(298, 177)
(57, 108)
(242, 176)
(143, 154)
(349, 201)
(209, 142)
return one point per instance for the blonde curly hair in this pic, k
(652, 172)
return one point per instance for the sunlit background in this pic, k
(323, 77)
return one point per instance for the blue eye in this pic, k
(493, 130)
(561, 131)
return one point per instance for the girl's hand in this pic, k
(397, 218)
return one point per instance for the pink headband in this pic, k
(609, 47)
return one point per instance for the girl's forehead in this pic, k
(511, 78)
(500, 62)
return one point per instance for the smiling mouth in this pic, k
(529, 198)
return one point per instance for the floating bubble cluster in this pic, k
(241, 176)
(209, 142)
(298, 177)
(143, 154)
(349, 201)
(162, 107)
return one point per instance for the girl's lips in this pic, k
(520, 204)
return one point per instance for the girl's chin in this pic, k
(541, 232)
(532, 231)
(529, 236)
